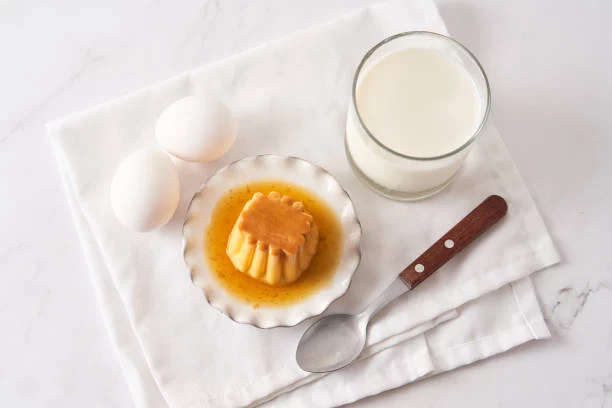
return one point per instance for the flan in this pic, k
(273, 240)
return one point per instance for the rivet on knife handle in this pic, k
(461, 235)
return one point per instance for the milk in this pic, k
(415, 102)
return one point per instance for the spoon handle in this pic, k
(461, 235)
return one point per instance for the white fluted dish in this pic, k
(270, 167)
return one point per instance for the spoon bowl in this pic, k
(331, 343)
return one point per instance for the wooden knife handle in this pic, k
(466, 231)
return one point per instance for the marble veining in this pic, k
(38, 106)
(571, 302)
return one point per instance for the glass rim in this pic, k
(483, 120)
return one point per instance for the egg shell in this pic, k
(145, 190)
(196, 128)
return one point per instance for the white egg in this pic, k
(196, 128)
(145, 190)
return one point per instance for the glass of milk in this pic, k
(419, 102)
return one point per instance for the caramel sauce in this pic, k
(252, 291)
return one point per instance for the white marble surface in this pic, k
(548, 62)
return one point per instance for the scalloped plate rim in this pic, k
(313, 305)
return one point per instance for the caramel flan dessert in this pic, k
(273, 240)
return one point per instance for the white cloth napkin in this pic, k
(291, 97)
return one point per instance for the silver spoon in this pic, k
(334, 341)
